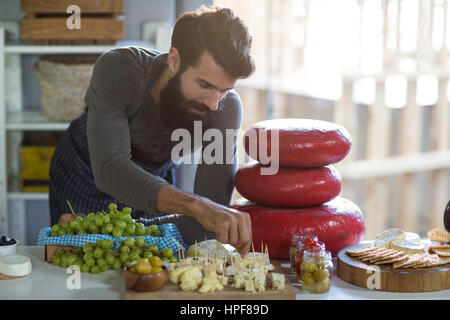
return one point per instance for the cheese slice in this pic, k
(250, 286)
(277, 280)
(212, 249)
(408, 246)
(188, 285)
(412, 236)
(239, 282)
(14, 265)
(385, 238)
(223, 280)
(174, 275)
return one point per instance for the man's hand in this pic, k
(230, 225)
(68, 217)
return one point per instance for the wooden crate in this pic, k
(46, 22)
(36, 162)
(36, 153)
(35, 168)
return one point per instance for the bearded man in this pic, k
(119, 149)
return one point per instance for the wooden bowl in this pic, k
(145, 282)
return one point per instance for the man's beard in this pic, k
(174, 108)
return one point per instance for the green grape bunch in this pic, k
(134, 249)
(115, 223)
(100, 256)
(92, 257)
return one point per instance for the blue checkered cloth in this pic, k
(171, 238)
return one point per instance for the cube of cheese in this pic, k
(174, 275)
(250, 286)
(277, 280)
(189, 285)
(192, 273)
(223, 280)
(239, 282)
(210, 286)
(260, 282)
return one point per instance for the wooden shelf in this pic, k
(55, 49)
(27, 196)
(32, 121)
(23, 48)
(14, 192)
(22, 120)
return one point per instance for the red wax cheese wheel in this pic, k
(338, 223)
(301, 142)
(289, 187)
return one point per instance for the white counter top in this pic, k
(48, 282)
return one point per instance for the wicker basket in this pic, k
(64, 80)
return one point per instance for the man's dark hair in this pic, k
(221, 33)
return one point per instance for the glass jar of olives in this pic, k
(309, 243)
(297, 242)
(316, 270)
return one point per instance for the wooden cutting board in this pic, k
(173, 292)
(385, 278)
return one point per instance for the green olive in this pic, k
(307, 278)
(324, 286)
(321, 274)
(308, 266)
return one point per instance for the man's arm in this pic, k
(215, 181)
(112, 95)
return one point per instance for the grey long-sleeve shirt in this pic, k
(126, 138)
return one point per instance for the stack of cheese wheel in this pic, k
(302, 196)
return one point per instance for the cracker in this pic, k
(375, 255)
(421, 260)
(412, 260)
(413, 264)
(442, 253)
(400, 258)
(391, 256)
(445, 259)
(443, 247)
(371, 253)
(401, 263)
(438, 261)
(431, 260)
(360, 251)
(383, 256)
(438, 235)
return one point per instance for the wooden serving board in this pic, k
(367, 276)
(173, 292)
